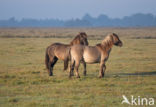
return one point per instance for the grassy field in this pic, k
(24, 81)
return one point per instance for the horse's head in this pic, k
(83, 38)
(111, 39)
(116, 40)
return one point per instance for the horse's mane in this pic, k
(107, 43)
(76, 40)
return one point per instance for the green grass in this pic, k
(24, 81)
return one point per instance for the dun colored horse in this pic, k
(61, 51)
(93, 54)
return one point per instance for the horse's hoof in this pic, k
(72, 74)
(50, 74)
(84, 74)
(101, 76)
(78, 77)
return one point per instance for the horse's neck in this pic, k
(106, 48)
(74, 43)
(71, 43)
(105, 51)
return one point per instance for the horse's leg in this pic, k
(72, 65)
(50, 70)
(84, 65)
(52, 63)
(77, 68)
(102, 69)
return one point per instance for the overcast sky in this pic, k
(67, 9)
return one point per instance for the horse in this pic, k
(61, 51)
(93, 54)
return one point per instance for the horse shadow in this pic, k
(153, 73)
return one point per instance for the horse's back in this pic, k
(61, 51)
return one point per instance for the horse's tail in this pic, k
(47, 58)
(66, 64)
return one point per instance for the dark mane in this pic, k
(77, 39)
(106, 44)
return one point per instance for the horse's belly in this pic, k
(89, 58)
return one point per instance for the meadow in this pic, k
(24, 81)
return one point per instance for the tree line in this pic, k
(135, 20)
